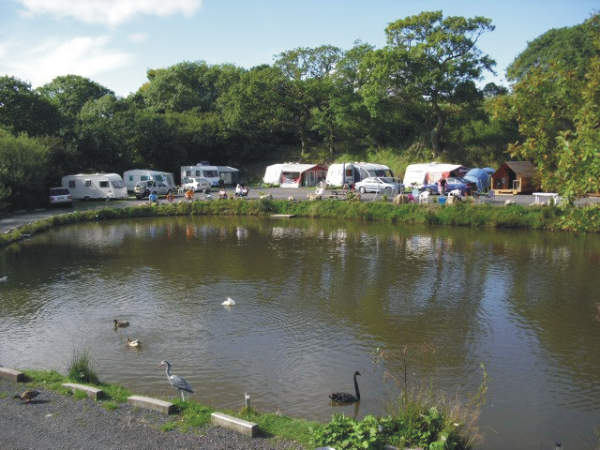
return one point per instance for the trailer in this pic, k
(86, 186)
(134, 176)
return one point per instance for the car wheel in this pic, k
(362, 190)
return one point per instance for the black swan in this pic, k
(345, 397)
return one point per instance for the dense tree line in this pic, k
(415, 99)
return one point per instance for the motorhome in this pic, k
(86, 186)
(355, 172)
(211, 173)
(134, 176)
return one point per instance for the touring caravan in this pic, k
(86, 186)
(211, 173)
(134, 176)
(294, 175)
(355, 172)
(426, 173)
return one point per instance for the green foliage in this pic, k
(23, 170)
(81, 369)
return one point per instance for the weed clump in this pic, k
(81, 368)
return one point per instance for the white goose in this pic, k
(229, 302)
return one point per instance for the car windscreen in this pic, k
(59, 191)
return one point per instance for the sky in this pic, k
(115, 42)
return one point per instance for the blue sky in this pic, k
(114, 42)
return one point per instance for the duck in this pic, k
(133, 342)
(229, 302)
(121, 323)
(346, 397)
(28, 395)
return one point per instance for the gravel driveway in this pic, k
(56, 421)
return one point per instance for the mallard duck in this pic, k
(133, 342)
(345, 397)
(28, 395)
(121, 323)
(229, 302)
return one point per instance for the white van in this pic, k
(134, 176)
(355, 172)
(85, 186)
(211, 173)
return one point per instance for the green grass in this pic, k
(110, 405)
(81, 368)
(284, 427)
(465, 214)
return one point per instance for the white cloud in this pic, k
(138, 38)
(109, 12)
(85, 56)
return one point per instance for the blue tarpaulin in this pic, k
(479, 176)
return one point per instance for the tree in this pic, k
(23, 110)
(428, 59)
(23, 170)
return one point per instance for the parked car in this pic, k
(382, 185)
(60, 196)
(196, 184)
(465, 187)
(144, 188)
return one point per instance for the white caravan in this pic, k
(134, 176)
(420, 174)
(86, 186)
(211, 173)
(355, 172)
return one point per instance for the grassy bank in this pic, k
(416, 423)
(573, 219)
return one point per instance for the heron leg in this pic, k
(182, 396)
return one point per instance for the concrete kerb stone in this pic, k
(92, 392)
(12, 374)
(233, 423)
(153, 404)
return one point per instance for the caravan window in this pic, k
(130, 177)
(197, 173)
(210, 173)
(117, 184)
(87, 183)
(104, 184)
(144, 178)
(158, 178)
(71, 183)
(188, 173)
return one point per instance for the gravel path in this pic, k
(56, 421)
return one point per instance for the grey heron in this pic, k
(345, 397)
(176, 381)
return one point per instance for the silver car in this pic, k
(196, 184)
(380, 185)
(145, 188)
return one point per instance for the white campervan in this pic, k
(134, 176)
(211, 173)
(355, 172)
(86, 186)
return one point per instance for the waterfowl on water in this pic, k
(229, 302)
(133, 342)
(28, 395)
(120, 323)
(345, 397)
(4, 279)
(176, 381)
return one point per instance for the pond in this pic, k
(314, 301)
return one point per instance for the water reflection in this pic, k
(313, 301)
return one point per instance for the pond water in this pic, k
(314, 300)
